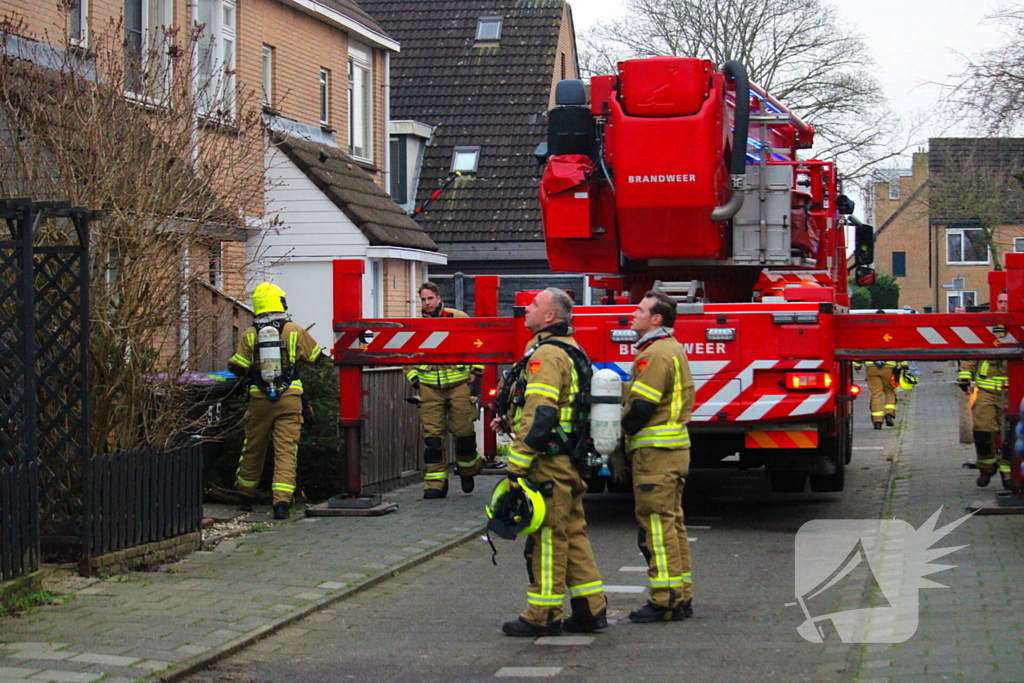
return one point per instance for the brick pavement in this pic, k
(167, 624)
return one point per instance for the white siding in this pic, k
(310, 296)
(312, 226)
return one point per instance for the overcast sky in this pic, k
(913, 43)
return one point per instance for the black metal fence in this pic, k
(142, 496)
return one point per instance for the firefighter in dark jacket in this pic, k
(446, 405)
(992, 380)
(268, 355)
(658, 404)
(559, 558)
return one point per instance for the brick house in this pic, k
(930, 220)
(320, 68)
(478, 77)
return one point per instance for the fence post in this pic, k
(348, 305)
(486, 306)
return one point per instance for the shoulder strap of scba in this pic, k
(289, 372)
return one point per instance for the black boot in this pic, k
(582, 621)
(468, 484)
(433, 494)
(521, 628)
(889, 420)
(650, 613)
(983, 449)
(878, 425)
(281, 510)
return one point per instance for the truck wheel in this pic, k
(788, 482)
(831, 483)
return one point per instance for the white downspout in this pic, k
(386, 175)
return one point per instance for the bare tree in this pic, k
(174, 162)
(798, 50)
(990, 89)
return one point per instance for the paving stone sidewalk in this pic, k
(166, 624)
(974, 629)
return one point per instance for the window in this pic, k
(954, 299)
(78, 22)
(399, 179)
(894, 187)
(147, 64)
(374, 304)
(488, 29)
(966, 245)
(360, 101)
(325, 96)
(464, 159)
(561, 59)
(216, 62)
(1018, 244)
(268, 75)
(899, 264)
(215, 268)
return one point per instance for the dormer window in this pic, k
(488, 29)
(464, 159)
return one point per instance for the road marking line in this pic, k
(569, 641)
(633, 569)
(528, 671)
(625, 589)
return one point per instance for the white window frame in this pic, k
(78, 23)
(216, 57)
(267, 69)
(360, 101)
(1018, 245)
(461, 154)
(960, 231)
(215, 268)
(488, 29)
(324, 88)
(373, 303)
(954, 299)
(154, 14)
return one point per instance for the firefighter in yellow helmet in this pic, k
(992, 379)
(559, 558)
(446, 405)
(267, 357)
(658, 403)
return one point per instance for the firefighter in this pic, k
(559, 559)
(658, 403)
(992, 380)
(268, 355)
(879, 375)
(446, 405)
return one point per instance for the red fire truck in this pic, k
(683, 177)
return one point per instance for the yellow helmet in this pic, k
(907, 381)
(268, 298)
(515, 509)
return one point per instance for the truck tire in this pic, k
(788, 482)
(839, 449)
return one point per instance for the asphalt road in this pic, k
(440, 622)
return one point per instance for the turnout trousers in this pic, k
(559, 559)
(659, 475)
(265, 421)
(883, 393)
(987, 415)
(441, 410)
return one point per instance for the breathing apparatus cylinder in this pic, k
(605, 414)
(269, 347)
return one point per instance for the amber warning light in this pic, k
(809, 380)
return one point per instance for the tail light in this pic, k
(494, 392)
(808, 380)
(854, 390)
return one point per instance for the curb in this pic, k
(198, 663)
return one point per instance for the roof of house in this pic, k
(353, 191)
(488, 95)
(970, 176)
(352, 9)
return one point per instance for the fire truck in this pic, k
(678, 175)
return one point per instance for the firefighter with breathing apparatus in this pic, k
(542, 474)
(267, 357)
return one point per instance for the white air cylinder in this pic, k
(269, 346)
(606, 410)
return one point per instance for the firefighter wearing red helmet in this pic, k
(446, 405)
(560, 561)
(992, 380)
(658, 402)
(267, 357)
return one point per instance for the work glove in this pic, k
(308, 414)
(964, 385)
(416, 383)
